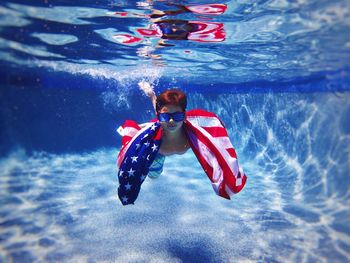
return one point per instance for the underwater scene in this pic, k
(277, 74)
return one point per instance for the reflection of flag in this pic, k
(139, 149)
(210, 143)
(208, 9)
(207, 32)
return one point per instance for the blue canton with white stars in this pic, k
(135, 166)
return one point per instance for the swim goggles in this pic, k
(176, 116)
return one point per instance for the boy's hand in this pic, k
(146, 88)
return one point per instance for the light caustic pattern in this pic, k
(295, 207)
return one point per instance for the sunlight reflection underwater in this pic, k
(277, 74)
(296, 199)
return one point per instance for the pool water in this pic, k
(276, 72)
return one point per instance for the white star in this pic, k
(137, 146)
(131, 172)
(153, 127)
(128, 186)
(121, 173)
(134, 159)
(147, 157)
(146, 143)
(125, 199)
(154, 147)
(145, 136)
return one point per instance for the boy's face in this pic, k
(171, 125)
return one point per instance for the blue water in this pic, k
(280, 81)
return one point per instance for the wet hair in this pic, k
(171, 97)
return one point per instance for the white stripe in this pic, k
(120, 130)
(221, 142)
(130, 131)
(205, 121)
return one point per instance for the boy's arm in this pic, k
(148, 90)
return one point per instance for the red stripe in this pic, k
(232, 152)
(222, 191)
(121, 155)
(216, 131)
(200, 113)
(126, 139)
(158, 134)
(132, 124)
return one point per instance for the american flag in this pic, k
(208, 139)
(211, 145)
(139, 149)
